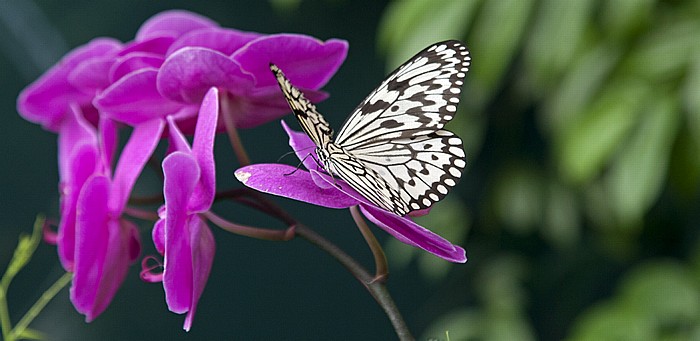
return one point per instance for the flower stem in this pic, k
(230, 124)
(373, 284)
(381, 267)
(40, 304)
(248, 231)
(376, 288)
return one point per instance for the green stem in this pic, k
(4, 314)
(39, 305)
(380, 263)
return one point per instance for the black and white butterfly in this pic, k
(393, 149)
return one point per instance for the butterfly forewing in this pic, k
(311, 121)
(393, 149)
(416, 99)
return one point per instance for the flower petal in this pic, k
(92, 75)
(134, 99)
(306, 61)
(188, 74)
(293, 183)
(103, 248)
(203, 152)
(138, 150)
(406, 231)
(172, 23)
(262, 105)
(157, 45)
(181, 175)
(133, 62)
(203, 247)
(46, 100)
(224, 40)
(303, 147)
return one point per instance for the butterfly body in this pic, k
(393, 149)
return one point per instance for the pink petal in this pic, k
(224, 40)
(108, 139)
(406, 231)
(293, 183)
(155, 45)
(172, 23)
(181, 175)
(176, 140)
(138, 150)
(203, 247)
(303, 147)
(188, 74)
(92, 75)
(46, 100)
(158, 235)
(73, 131)
(134, 99)
(306, 61)
(203, 152)
(262, 105)
(133, 62)
(83, 159)
(104, 245)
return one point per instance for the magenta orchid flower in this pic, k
(106, 243)
(177, 56)
(181, 235)
(317, 188)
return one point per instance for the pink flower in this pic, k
(172, 83)
(181, 235)
(105, 243)
(320, 189)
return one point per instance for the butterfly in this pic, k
(393, 149)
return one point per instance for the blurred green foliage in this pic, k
(581, 120)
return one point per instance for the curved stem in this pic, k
(381, 266)
(248, 231)
(376, 288)
(230, 125)
(40, 304)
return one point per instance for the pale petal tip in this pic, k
(242, 176)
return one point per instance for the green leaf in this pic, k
(494, 39)
(637, 176)
(663, 290)
(691, 99)
(558, 34)
(621, 19)
(585, 147)
(410, 26)
(580, 84)
(608, 321)
(665, 53)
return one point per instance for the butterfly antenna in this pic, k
(298, 165)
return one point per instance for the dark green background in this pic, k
(579, 208)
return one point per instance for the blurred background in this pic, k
(579, 209)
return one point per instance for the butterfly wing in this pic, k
(311, 121)
(397, 130)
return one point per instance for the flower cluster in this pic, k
(182, 71)
(182, 74)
